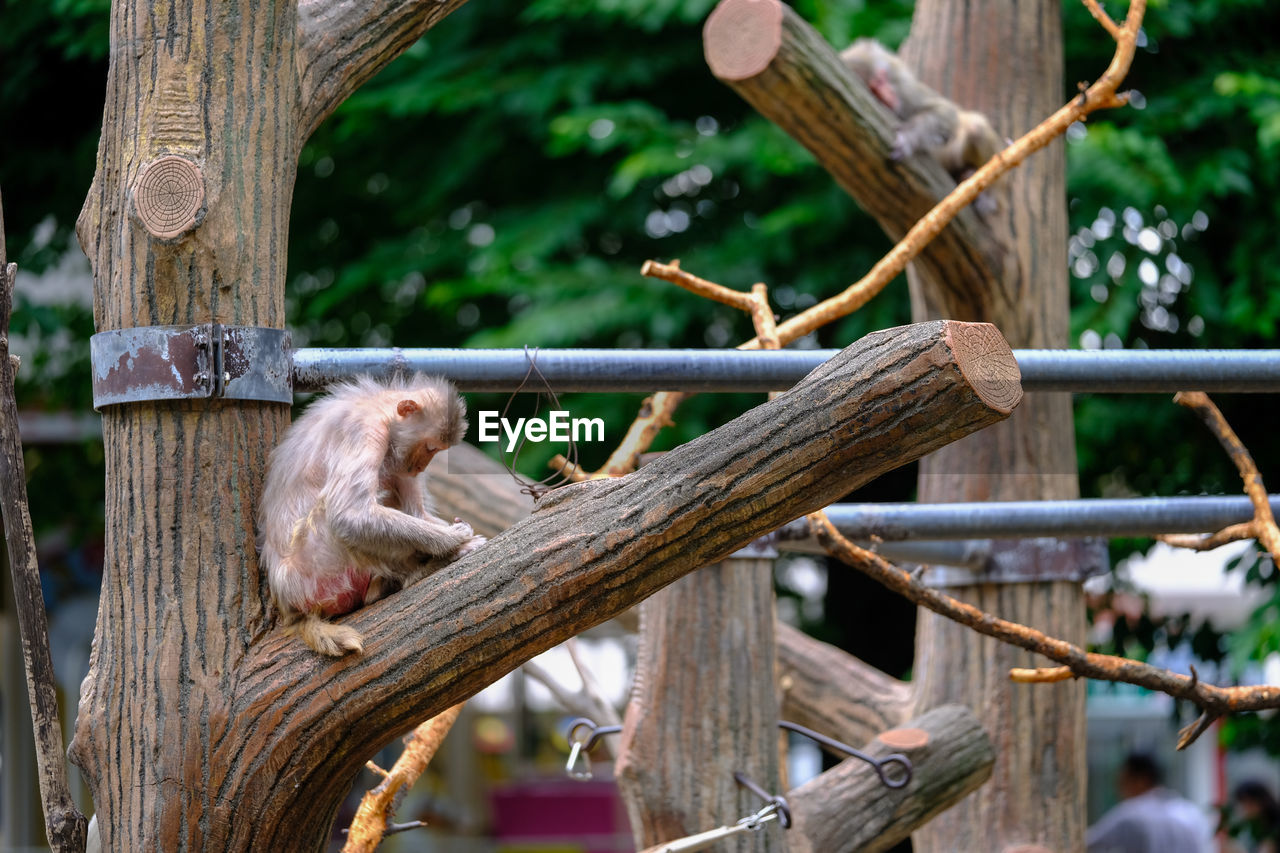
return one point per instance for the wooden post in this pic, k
(704, 705)
(982, 54)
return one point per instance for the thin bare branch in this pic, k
(657, 411)
(1100, 15)
(1041, 675)
(372, 820)
(1196, 542)
(1264, 523)
(1211, 700)
(718, 292)
(65, 826)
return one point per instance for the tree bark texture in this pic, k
(207, 107)
(847, 808)
(703, 707)
(1006, 60)
(781, 66)
(64, 824)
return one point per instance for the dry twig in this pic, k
(1212, 701)
(657, 410)
(1263, 526)
(372, 820)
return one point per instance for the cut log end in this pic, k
(987, 363)
(168, 196)
(741, 37)
(904, 739)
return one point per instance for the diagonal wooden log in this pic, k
(299, 726)
(784, 68)
(834, 693)
(820, 686)
(847, 808)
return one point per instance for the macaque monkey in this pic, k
(344, 518)
(960, 140)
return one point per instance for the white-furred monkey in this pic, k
(344, 518)
(960, 140)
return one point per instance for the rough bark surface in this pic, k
(781, 66)
(703, 706)
(1006, 60)
(847, 808)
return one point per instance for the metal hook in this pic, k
(897, 779)
(580, 747)
(704, 840)
(771, 801)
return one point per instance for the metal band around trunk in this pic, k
(191, 362)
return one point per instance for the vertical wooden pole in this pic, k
(1006, 60)
(704, 705)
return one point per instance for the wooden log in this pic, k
(819, 686)
(847, 808)
(64, 823)
(303, 724)
(780, 65)
(834, 693)
(708, 708)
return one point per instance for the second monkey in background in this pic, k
(960, 140)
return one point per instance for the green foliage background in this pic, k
(500, 184)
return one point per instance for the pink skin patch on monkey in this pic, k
(337, 596)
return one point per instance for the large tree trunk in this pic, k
(216, 98)
(1006, 60)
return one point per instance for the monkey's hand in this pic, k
(470, 545)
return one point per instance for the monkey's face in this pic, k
(421, 454)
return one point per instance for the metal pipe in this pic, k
(645, 370)
(972, 554)
(1113, 517)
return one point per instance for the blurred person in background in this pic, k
(1149, 818)
(1260, 814)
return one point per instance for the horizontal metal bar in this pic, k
(644, 370)
(1115, 517)
(1150, 371)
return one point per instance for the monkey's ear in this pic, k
(407, 407)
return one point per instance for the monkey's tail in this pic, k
(324, 636)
